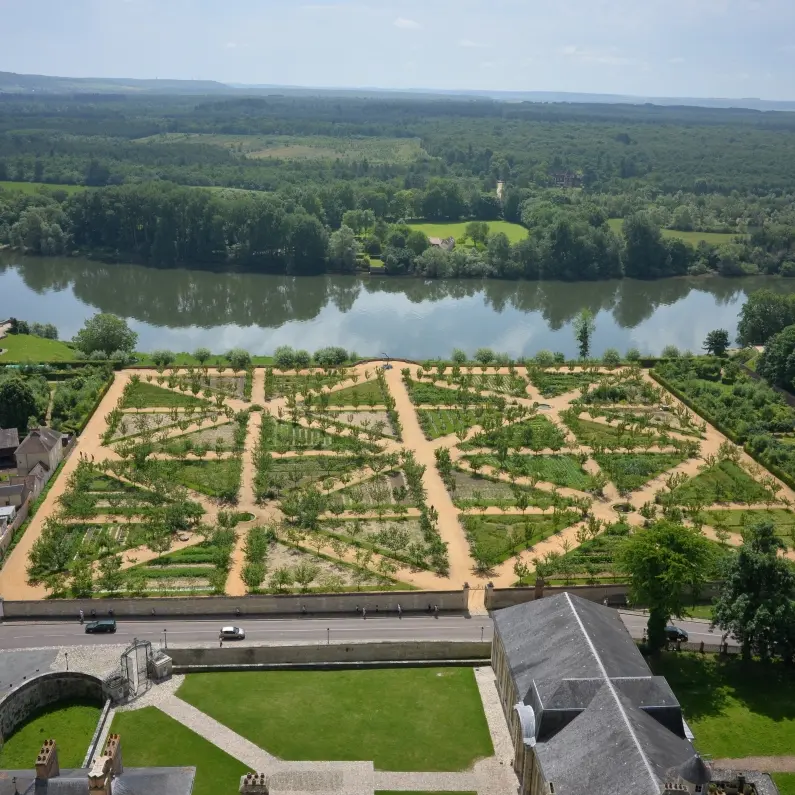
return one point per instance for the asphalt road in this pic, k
(187, 632)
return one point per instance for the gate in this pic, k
(135, 666)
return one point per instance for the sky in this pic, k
(687, 48)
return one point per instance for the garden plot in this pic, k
(293, 473)
(231, 385)
(368, 393)
(132, 423)
(325, 574)
(537, 433)
(551, 383)
(478, 491)
(426, 394)
(144, 395)
(287, 437)
(281, 385)
(494, 539)
(391, 534)
(382, 490)
(504, 384)
(656, 418)
(562, 470)
(722, 482)
(366, 420)
(209, 438)
(736, 521)
(436, 423)
(632, 470)
(598, 434)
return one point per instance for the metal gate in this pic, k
(135, 665)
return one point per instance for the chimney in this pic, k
(113, 750)
(100, 776)
(253, 784)
(47, 761)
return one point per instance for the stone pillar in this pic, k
(113, 750)
(47, 761)
(253, 784)
(538, 593)
(100, 776)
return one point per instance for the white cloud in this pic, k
(406, 24)
(231, 45)
(470, 44)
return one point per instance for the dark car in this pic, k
(103, 625)
(675, 634)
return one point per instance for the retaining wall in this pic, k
(232, 656)
(42, 691)
(313, 604)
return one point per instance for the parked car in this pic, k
(232, 633)
(103, 625)
(675, 634)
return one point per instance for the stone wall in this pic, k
(313, 604)
(497, 598)
(337, 654)
(41, 691)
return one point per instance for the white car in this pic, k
(232, 633)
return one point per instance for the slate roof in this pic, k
(11, 489)
(603, 723)
(133, 781)
(40, 440)
(9, 438)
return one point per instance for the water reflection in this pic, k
(182, 309)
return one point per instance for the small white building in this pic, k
(41, 446)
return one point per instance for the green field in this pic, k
(713, 238)
(436, 423)
(24, 348)
(150, 738)
(316, 147)
(735, 709)
(723, 482)
(785, 783)
(562, 470)
(367, 393)
(70, 725)
(213, 478)
(735, 521)
(416, 719)
(144, 395)
(515, 232)
(38, 187)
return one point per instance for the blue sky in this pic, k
(695, 48)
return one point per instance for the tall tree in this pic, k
(17, 403)
(757, 598)
(106, 333)
(584, 327)
(764, 314)
(666, 564)
(777, 362)
(717, 342)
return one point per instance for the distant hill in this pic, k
(12, 83)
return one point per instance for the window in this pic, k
(699, 788)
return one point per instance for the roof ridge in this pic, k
(613, 692)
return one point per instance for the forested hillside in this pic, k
(305, 184)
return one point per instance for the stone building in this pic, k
(585, 712)
(41, 446)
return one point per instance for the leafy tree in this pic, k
(82, 584)
(284, 357)
(666, 565)
(716, 342)
(478, 232)
(162, 358)
(459, 356)
(670, 352)
(777, 362)
(343, 249)
(253, 574)
(239, 358)
(106, 333)
(584, 327)
(484, 355)
(17, 403)
(611, 357)
(764, 314)
(417, 242)
(202, 355)
(111, 576)
(757, 597)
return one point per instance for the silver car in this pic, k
(232, 633)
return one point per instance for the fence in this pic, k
(230, 606)
(10, 529)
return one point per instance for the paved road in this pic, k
(185, 632)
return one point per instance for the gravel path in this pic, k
(763, 764)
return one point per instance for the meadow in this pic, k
(515, 232)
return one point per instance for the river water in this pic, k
(183, 309)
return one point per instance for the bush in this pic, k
(331, 356)
(239, 359)
(544, 359)
(284, 357)
(484, 355)
(670, 352)
(302, 359)
(162, 358)
(611, 357)
(632, 355)
(459, 356)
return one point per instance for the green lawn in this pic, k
(515, 232)
(71, 726)
(213, 478)
(630, 471)
(700, 611)
(144, 395)
(189, 360)
(785, 783)
(412, 719)
(27, 348)
(436, 423)
(735, 709)
(713, 238)
(150, 738)
(36, 187)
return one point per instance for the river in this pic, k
(183, 309)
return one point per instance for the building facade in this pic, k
(41, 446)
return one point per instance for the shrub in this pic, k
(302, 359)
(544, 359)
(670, 352)
(611, 357)
(632, 355)
(484, 355)
(459, 357)
(331, 356)
(284, 356)
(162, 358)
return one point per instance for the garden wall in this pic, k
(312, 604)
(42, 691)
(334, 655)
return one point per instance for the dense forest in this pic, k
(307, 184)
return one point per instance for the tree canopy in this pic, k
(106, 333)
